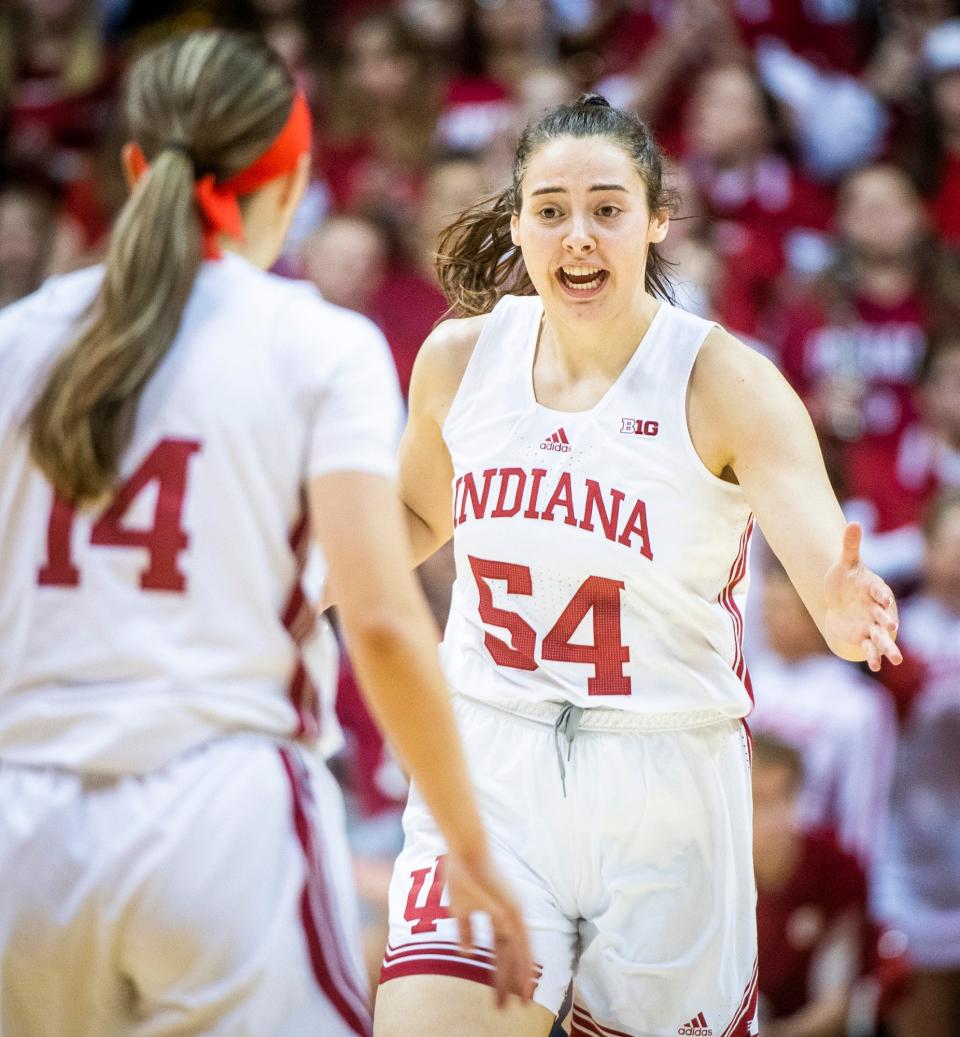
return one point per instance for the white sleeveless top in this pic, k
(599, 562)
(134, 630)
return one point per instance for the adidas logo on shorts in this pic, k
(697, 1027)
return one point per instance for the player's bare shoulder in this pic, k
(736, 395)
(440, 365)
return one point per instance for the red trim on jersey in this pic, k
(442, 958)
(737, 572)
(747, 1011)
(324, 936)
(299, 620)
(584, 1025)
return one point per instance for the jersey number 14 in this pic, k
(166, 465)
(597, 595)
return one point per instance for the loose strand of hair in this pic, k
(477, 262)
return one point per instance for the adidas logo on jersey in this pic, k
(558, 441)
(639, 427)
(697, 1027)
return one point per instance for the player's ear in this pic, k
(515, 229)
(659, 225)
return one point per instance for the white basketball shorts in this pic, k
(636, 881)
(213, 897)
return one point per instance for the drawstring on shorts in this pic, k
(567, 724)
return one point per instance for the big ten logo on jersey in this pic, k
(166, 467)
(639, 427)
(425, 910)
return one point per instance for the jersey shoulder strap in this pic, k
(490, 379)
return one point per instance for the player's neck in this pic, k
(588, 349)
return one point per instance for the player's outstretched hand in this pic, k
(474, 885)
(861, 614)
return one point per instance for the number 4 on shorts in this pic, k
(427, 914)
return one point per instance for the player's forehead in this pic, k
(578, 164)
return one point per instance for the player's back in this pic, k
(131, 630)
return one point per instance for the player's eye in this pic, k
(609, 210)
(549, 212)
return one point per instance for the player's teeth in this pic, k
(580, 271)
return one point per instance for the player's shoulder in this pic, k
(46, 315)
(726, 360)
(306, 324)
(449, 347)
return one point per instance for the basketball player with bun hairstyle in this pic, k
(174, 426)
(600, 458)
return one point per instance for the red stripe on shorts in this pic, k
(442, 958)
(746, 1012)
(324, 936)
(585, 1025)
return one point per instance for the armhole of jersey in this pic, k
(686, 375)
(470, 375)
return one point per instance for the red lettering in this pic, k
(479, 500)
(427, 914)
(595, 499)
(59, 570)
(500, 511)
(166, 465)
(562, 496)
(637, 523)
(523, 638)
(537, 477)
(607, 655)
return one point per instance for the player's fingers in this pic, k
(514, 962)
(885, 646)
(885, 618)
(882, 595)
(850, 552)
(465, 929)
(872, 653)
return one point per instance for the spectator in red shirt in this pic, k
(377, 132)
(757, 198)
(889, 491)
(815, 940)
(853, 346)
(349, 258)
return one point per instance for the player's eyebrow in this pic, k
(563, 190)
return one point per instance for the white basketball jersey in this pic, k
(598, 561)
(133, 631)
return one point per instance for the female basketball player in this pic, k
(598, 457)
(172, 426)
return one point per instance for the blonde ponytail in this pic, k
(206, 102)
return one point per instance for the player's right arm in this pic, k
(391, 638)
(426, 472)
(348, 387)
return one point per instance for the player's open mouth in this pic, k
(582, 281)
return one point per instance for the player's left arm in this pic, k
(744, 417)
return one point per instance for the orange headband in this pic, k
(218, 202)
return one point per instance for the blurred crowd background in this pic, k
(814, 153)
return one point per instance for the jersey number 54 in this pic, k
(597, 594)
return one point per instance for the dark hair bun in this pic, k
(592, 101)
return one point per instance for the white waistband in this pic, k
(596, 718)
